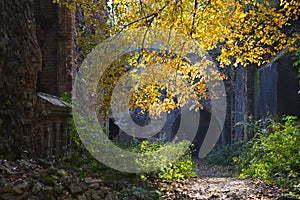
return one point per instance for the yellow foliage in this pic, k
(247, 31)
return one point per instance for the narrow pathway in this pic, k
(221, 188)
(216, 182)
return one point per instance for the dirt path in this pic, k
(221, 188)
(216, 182)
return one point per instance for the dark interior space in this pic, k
(205, 118)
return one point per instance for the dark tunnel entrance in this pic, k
(205, 118)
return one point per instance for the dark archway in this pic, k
(205, 118)
(113, 129)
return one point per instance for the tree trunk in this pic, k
(20, 59)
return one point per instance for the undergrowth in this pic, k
(273, 154)
(223, 154)
(156, 154)
(168, 159)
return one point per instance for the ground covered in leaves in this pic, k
(38, 179)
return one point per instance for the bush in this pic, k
(162, 157)
(224, 154)
(274, 154)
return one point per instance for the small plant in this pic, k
(273, 154)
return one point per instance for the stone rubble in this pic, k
(25, 179)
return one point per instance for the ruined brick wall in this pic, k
(46, 17)
(55, 32)
(55, 37)
(19, 63)
(66, 46)
(37, 37)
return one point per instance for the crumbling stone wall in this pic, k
(36, 37)
(20, 60)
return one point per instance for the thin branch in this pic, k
(152, 16)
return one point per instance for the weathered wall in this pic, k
(20, 61)
(240, 100)
(55, 37)
(265, 89)
(288, 98)
(46, 14)
(276, 88)
(241, 103)
(66, 46)
(271, 89)
(37, 36)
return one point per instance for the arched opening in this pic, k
(113, 129)
(205, 118)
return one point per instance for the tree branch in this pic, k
(152, 16)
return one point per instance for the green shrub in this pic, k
(274, 154)
(224, 154)
(162, 157)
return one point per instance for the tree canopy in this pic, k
(249, 31)
(244, 32)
